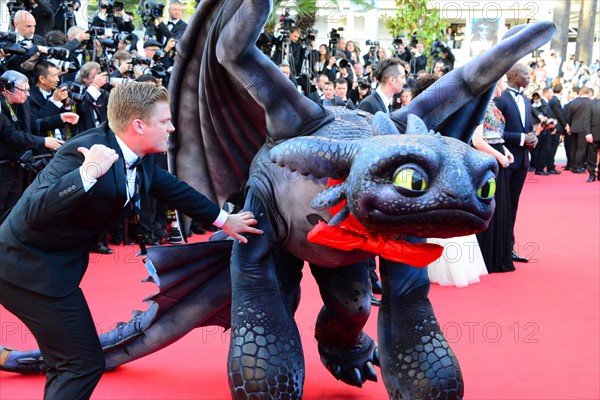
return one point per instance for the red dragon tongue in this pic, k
(416, 254)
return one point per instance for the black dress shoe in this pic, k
(102, 249)
(518, 258)
(578, 171)
(542, 173)
(566, 167)
(554, 172)
(592, 178)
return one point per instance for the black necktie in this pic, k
(136, 163)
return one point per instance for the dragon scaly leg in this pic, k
(345, 350)
(265, 353)
(416, 360)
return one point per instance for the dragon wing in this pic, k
(457, 102)
(221, 127)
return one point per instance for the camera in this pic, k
(124, 37)
(151, 9)
(141, 61)
(8, 44)
(311, 36)
(76, 91)
(58, 53)
(14, 6)
(397, 41)
(334, 36)
(64, 66)
(6, 84)
(287, 20)
(118, 81)
(342, 62)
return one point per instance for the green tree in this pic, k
(417, 17)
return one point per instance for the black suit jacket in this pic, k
(514, 127)
(579, 115)
(596, 120)
(13, 140)
(558, 113)
(45, 241)
(373, 103)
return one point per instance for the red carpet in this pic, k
(529, 334)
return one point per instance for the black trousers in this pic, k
(65, 332)
(11, 186)
(592, 153)
(516, 180)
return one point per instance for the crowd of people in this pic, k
(55, 82)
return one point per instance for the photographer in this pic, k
(48, 101)
(92, 111)
(544, 124)
(372, 55)
(418, 62)
(43, 14)
(18, 133)
(64, 10)
(112, 16)
(288, 48)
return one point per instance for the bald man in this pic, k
(25, 24)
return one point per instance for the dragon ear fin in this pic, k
(383, 125)
(416, 126)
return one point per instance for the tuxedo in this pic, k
(45, 244)
(592, 151)
(12, 142)
(373, 103)
(514, 128)
(557, 113)
(579, 118)
(170, 30)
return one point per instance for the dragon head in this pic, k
(419, 184)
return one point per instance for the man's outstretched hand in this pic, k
(240, 223)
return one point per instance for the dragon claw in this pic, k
(354, 378)
(369, 372)
(336, 371)
(355, 365)
(376, 356)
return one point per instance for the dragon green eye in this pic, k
(410, 179)
(488, 189)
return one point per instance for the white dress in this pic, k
(461, 262)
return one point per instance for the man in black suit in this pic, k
(518, 137)
(176, 25)
(593, 140)
(579, 118)
(16, 136)
(391, 77)
(25, 24)
(318, 95)
(561, 123)
(92, 183)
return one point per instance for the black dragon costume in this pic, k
(332, 187)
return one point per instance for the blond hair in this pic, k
(131, 101)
